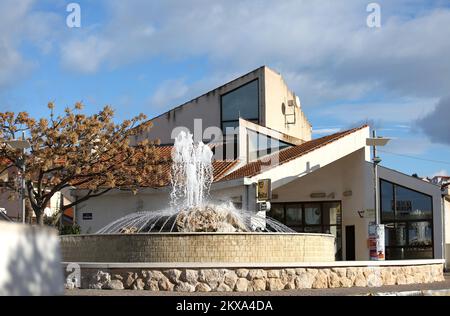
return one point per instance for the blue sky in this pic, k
(148, 56)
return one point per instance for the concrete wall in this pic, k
(277, 93)
(29, 261)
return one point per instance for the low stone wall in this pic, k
(199, 247)
(255, 279)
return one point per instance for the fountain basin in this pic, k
(199, 247)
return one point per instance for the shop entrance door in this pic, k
(350, 243)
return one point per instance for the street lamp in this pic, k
(379, 230)
(376, 142)
(21, 144)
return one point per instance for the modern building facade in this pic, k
(322, 185)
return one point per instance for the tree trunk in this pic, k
(40, 218)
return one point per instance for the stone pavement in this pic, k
(435, 289)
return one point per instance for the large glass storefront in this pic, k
(312, 217)
(408, 219)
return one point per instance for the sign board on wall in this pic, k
(376, 242)
(264, 190)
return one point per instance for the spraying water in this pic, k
(190, 210)
(192, 172)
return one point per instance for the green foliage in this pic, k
(70, 230)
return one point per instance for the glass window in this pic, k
(294, 215)
(230, 127)
(260, 145)
(277, 212)
(411, 204)
(313, 215)
(242, 102)
(387, 200)
(419, 234)
(407, 216)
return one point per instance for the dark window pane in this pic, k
(395, 234)
(277, 212)
(412, 205)
(312, 214)
(387, 200)
(241, 102)
(230, 127)
(404, 253)
(260, 145)
(293, 215)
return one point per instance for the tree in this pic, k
(77, 150)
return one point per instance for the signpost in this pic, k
(264, 190)
(264, 194)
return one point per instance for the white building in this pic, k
(320, 185)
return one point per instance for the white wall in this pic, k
(30, 261)
(276, 93)
(345, 174)
(112, 206)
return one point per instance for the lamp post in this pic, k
(375, 142)
(21, 144)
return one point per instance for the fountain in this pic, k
(194, 230)
(190, 208)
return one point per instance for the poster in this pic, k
(376, 242)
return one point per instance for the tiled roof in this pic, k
(253, 168)
(164, 153)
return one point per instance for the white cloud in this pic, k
(324, 48)
(413, 146)
(85, 56)
(436, 124)
(441, 172)
(169, 93)
(325, 131)
(20, 23)
(403, 110)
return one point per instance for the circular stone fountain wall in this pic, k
(199, 247)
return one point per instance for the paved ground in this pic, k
(437, 288)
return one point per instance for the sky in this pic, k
(149, 56)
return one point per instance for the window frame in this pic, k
(258, 119)
(322, 225)
(407, 222)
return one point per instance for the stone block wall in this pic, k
(255, 279)
(199, 247)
